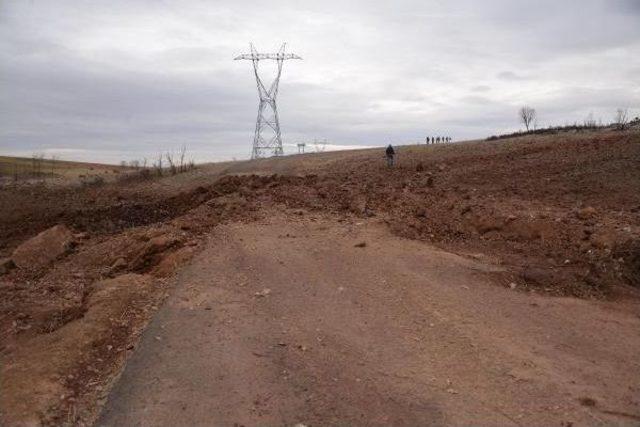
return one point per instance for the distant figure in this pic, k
(390, 153)
(427, 140)
(438, 140)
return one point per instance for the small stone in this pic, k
(586, 213)
(587, 401)
(6, 264)
(263, 293)
(360, 245)
(421, 213)
(513, 285)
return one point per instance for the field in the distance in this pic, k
(537, 217)
(19, 170)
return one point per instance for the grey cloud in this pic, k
(510, 76)
(481, 88)
(126, 79)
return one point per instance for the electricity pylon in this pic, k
(267, 110)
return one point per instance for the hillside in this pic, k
(536, 217)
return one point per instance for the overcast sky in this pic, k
(112, 80)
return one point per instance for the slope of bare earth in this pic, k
(316, 320)
(556, 215)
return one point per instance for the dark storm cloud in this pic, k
(118, 80)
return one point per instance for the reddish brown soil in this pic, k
(321, 320)
(560, 214)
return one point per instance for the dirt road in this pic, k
(290, 320)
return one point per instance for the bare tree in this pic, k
(182, 166)
(158, 165)
(622, 118)
(590, 122)
(172, 165)
(527, 116)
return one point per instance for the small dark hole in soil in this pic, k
(587, 401)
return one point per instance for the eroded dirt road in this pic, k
(287, 321)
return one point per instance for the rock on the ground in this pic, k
(604, 239)
(539, 276)
(149, 254)
(6, 264)
(586, 213)
(44, 248)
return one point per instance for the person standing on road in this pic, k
(390, 152)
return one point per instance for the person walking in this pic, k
(390, 153)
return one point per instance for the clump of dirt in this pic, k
(67, 322)
(564, 205)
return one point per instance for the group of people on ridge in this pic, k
(437, 139)
(390, 152)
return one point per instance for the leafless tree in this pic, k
(135, 164)
(182, 166)
(527, 116)
(590, 122)
(172, 165)
(158, 165)
(622, 118)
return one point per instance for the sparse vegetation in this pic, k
(622, 118)
(167, 163)
(621, 122)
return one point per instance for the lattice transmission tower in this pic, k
(267, 137)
